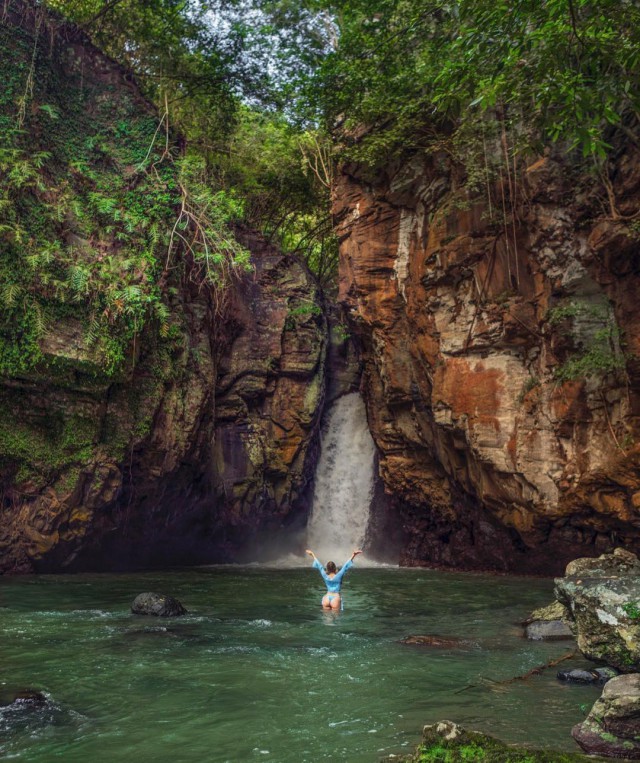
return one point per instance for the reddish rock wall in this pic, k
(470, 322)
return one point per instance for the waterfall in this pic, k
(344, 482)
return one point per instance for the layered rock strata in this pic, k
(500, 339)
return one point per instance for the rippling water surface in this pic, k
(257, 672)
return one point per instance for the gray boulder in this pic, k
(551, 630)
(158, 605)
(552, 623)
(603, 596)
(598, 676)
(612, 728)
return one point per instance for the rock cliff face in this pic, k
(113, 451)
(500, 347)
(269, 396)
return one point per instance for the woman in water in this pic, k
(333, 579)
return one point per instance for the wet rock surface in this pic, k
(603, 595)
(612, 728)
(598, 676)
(436, 642)
(551, 623)
(270, 396)
(549, 630)
(157, 605)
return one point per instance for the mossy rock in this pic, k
(446, 742)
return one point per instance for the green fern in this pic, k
(10, 293)
(79, 280)
(39, 318)
(104, 205)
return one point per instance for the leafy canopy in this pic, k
(570, 68)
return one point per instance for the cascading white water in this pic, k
(344, 482)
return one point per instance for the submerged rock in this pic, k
(598, 676)
(158, 605)
(603, 596)
(612, 728)
(437, 642)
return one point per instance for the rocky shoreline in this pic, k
(597, 605)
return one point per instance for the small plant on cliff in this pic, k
(301, 311)
(341, 332)
(562, 312)
(597, 336)
(601, 356)
(632, 609)
(531, 383)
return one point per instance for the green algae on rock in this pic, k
(446, 742)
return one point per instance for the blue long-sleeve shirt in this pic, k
(333, 584)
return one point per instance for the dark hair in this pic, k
(331, 567)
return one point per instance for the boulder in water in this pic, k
(603, 596)
(25, 699)
(550, 630)
(158, 605)
(612, 728)
(550, 623)
(598, 676)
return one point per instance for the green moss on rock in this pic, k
(446, 742)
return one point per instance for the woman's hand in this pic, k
(356, 551)
(310, 552)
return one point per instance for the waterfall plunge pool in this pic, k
(258, 672)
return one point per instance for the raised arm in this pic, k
(347, 565)
(316, 562)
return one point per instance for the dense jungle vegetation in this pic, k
(268, 95)
(271, 92)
